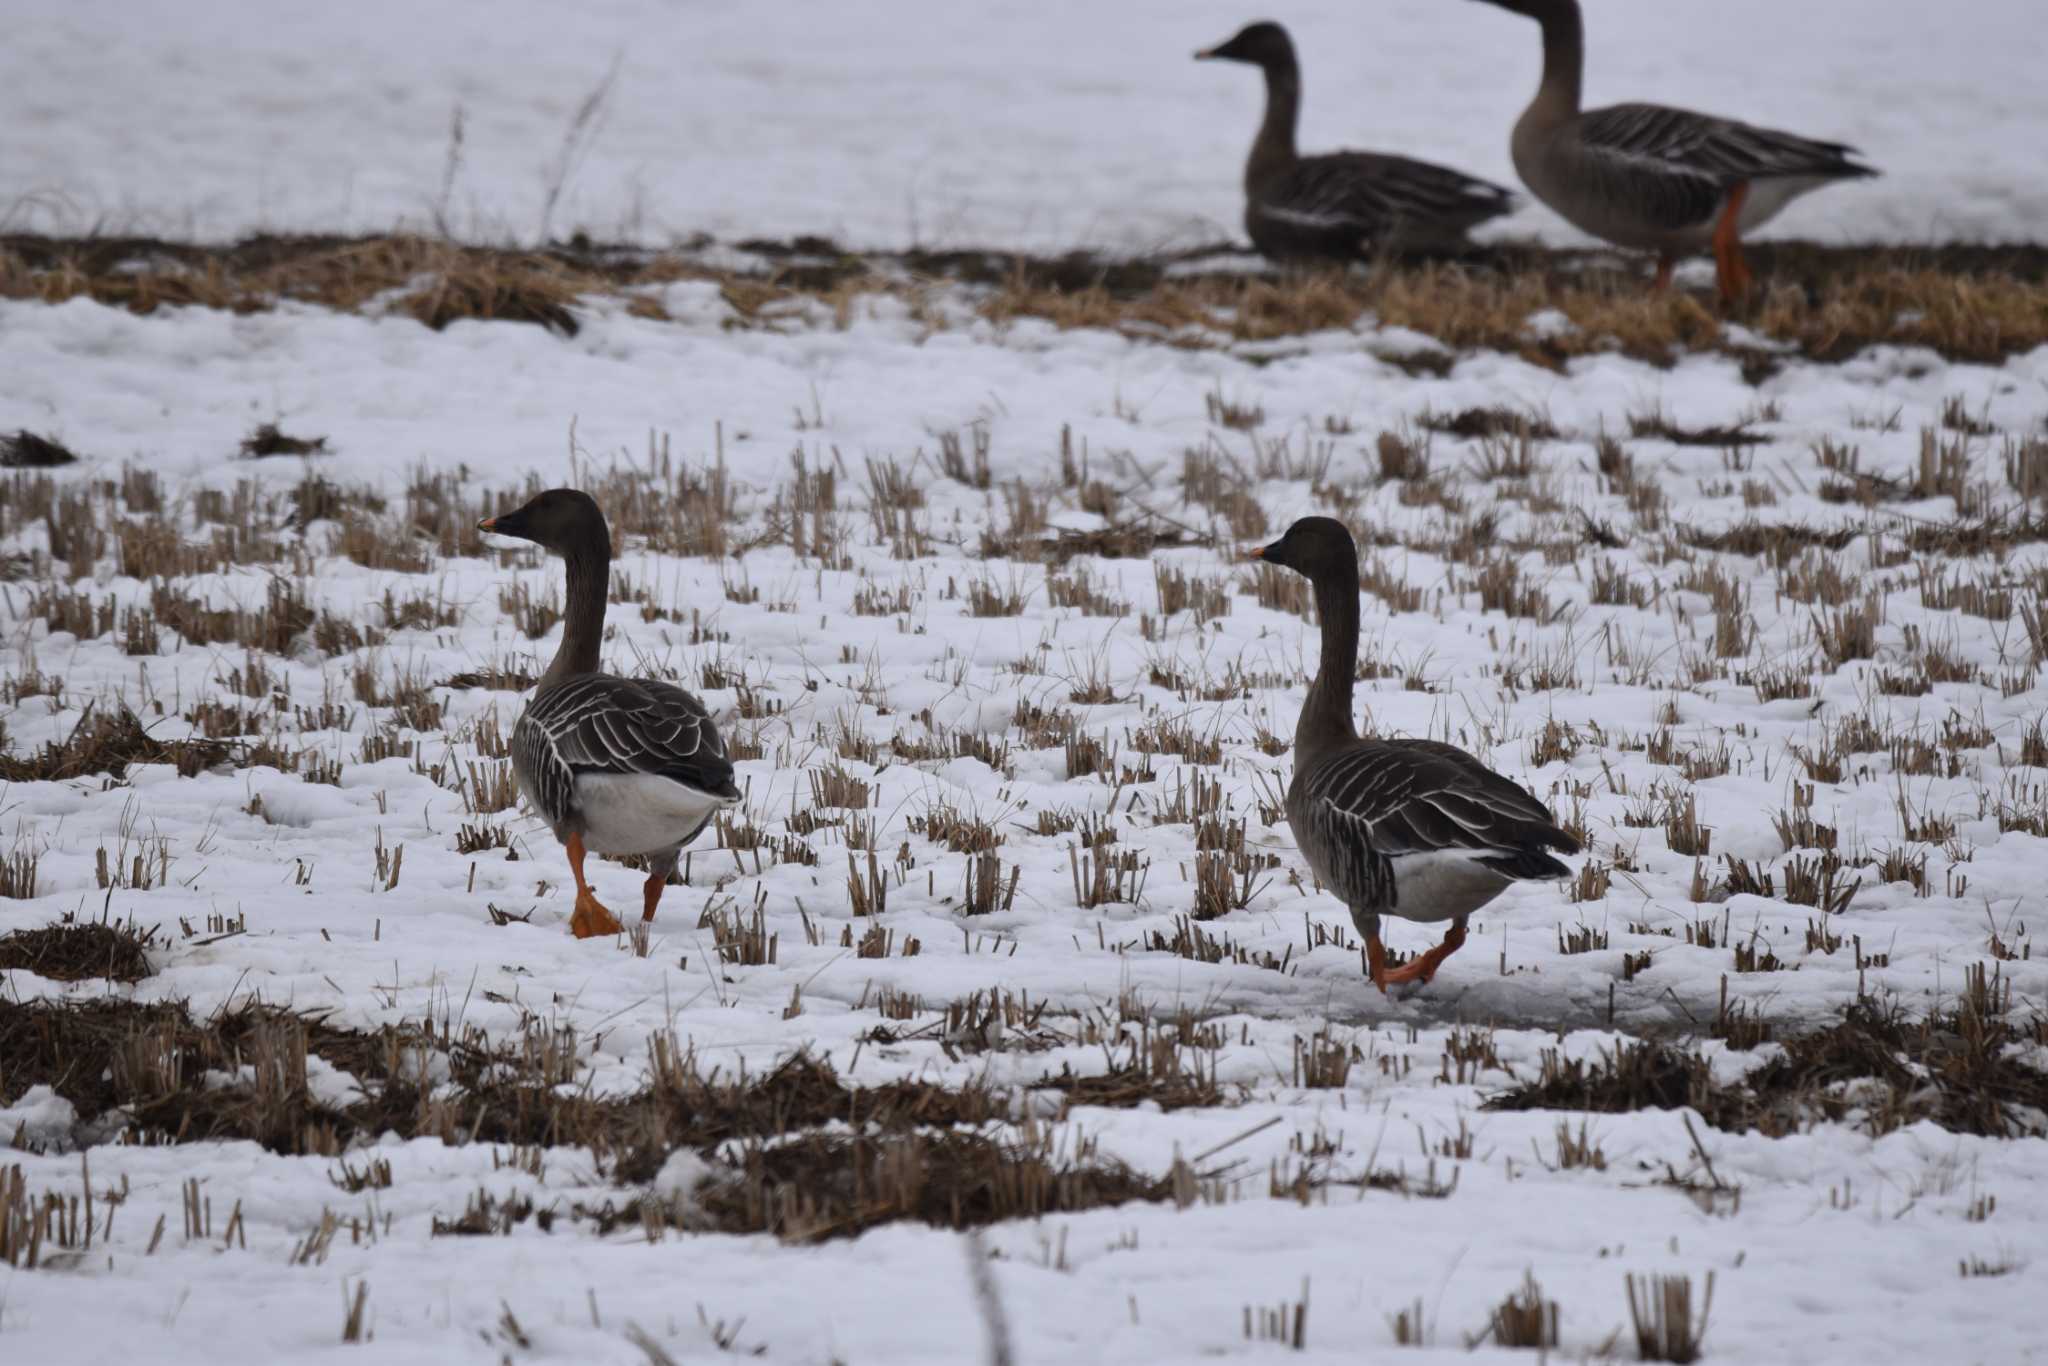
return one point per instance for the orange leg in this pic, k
(590, 919)
(650, 895)
(1731, 273)
(1422, 968)
(1665, 261)
(1376, 962)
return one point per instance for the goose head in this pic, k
(1319, 548)
(1264, 44)
(561, 520)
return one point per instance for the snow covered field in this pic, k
(1045, 127)
(965, 598)
(1604, 678)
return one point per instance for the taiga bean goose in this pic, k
(1413, 828)
(1344, 206)
(1655, 178)
(613, 765)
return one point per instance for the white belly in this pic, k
(1443, 884)
(639, 813)
(1769, 196)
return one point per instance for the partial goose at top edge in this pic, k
(1655, 178)
(1342, 206)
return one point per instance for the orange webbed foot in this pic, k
(1421, 968)
(591, 919)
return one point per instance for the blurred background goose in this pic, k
(1342, 206)
(1655, 178)
(1412, 828)
(613, 765)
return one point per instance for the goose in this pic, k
(1412, 828)
(1342, 206)
(613, 765)
(1653, 178)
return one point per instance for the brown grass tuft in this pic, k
(1956, 1070)
(1523, 1319)
(268, 440)
(108, 742)
(1660, 1309)
(26, 451)
(77, 951)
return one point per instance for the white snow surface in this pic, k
(1843, 1249)
(1048, 126)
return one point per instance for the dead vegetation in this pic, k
(109, 741)
(268, 440)
(1876, 1069)
(1524, 1319)
(150, 1061)
(834, 1185)
(1972, 304)
(26, 450)
(1660, 1310)
(793, 1151)
(76, 951)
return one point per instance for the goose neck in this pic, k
(1273, 150)
(589, 566)
(1564, 62)
(1326, 713)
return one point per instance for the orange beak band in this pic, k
(487, 524)
(1257, 552)
(1206, 54)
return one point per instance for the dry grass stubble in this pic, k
(1966, 304)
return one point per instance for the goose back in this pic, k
(1647, 175)
(1418, 829)
(1352, 204)
(1341, 206)
(598, 725)
(1650, 176)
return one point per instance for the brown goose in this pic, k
(1413, 828)
(613, 765)
(1343, 206)
(1655, 178)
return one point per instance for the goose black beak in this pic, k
(1207, 54)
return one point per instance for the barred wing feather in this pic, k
(1677, 165)
(1372, 804)
(1376, 196)
(618, 726)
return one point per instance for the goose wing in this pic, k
(1374, 196)
(1380, 801)
(1674, 166)
(619, 726)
